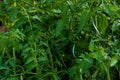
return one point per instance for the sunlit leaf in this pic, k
(114, 60)
(56, 10)
(108, 10)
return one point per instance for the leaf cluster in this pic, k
(60, 39)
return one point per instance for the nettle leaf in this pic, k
(59, 27)
(114, 60)
(91, 46)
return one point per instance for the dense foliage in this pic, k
(60, 40)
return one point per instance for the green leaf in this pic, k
(114, 60)
(108, 10)
(12, 17)
(5, 1)
(86, 64)
(102, 23)
(12, 62)
(29, 60)
(73, 71)
(43, 59)
(25, 52)
(3, 68)
(59, 27)
(31, 66)
(36, 17)
(56, 10)
(83, 20)
(91, 46)
(115, 26)
(96, 56)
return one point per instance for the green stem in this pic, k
(14, 57)
(35, 58)
(107, 71)
(51, 59)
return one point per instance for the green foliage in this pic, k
(60, 39)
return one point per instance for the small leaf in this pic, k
(25, 51)
(96, 56)
(114, 60)
(29, 60)
(3, 68)
(31, 66)
(12, 62)
(56, 10)
(42, 59)
(115, 26)
(91, 46)
(38, 18)
(59, 27)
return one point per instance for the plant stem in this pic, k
(14, 60)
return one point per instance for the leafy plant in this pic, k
(60, 39)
